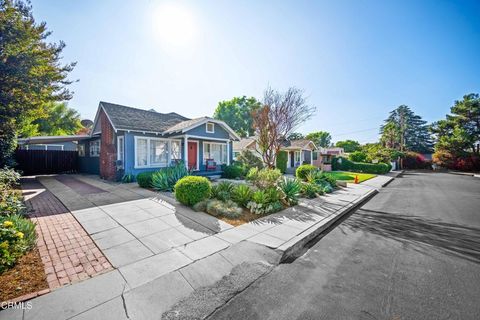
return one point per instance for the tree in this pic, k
(348, 145)
(295, 136)
(320, 138)
(358, 156)
(277, 118)
(57, 120)
(31, 74)
(391, 135)
(413, 131)
(460, 131)
(237, 113)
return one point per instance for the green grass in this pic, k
(350, 176)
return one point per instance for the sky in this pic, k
(355, 60)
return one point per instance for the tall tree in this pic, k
(391, 135)
(31, 74)
(460, 131)
(414, 134)
(237, 113)
(295, 136)
(320, 138)
(348, 145)
(57, 120)
(279, 116)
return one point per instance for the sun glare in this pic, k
(174, 25)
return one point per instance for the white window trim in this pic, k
(222, 144)
(213, 127)
(299, 157)
(170, 147)
(150, 165)
(122, 139)
(198, 153)
(90, 149)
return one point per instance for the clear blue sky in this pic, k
(356, 60)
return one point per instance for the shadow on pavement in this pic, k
(458, 240)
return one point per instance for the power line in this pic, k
(357, 131)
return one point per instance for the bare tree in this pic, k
(280, 115)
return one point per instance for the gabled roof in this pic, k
(128, 118)
(303, 144)
(243, 143)
(184, 126)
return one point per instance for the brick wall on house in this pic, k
(107, 149)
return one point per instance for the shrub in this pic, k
(291, 189)
(242, 194)
(8, 178)
(358, 156)
(311, 190)
(320, 176)
(144, 179)
(413, 160)
(192, 189)
(228, 209)
(222, 191)
(249, 160)
(303, 170)
(264, 178)
(347, 165)
(233, 172)
(282, 159)
(201, 206)
(17, 236)
(11, 203)
(265, 201)
(325, 186)
(165, 179)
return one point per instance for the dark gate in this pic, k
(33, 162)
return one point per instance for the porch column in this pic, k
(228, 153)
(185, 150)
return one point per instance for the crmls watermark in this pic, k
(16, 305)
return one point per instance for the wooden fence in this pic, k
(33, 162)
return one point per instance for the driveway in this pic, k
(412, 252)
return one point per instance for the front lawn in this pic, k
(350, 176)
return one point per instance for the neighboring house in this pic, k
(299, 151)
(127, 140)
(64, 143)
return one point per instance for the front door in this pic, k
(192, 155)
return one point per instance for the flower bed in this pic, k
(17, 239)
(264, 192)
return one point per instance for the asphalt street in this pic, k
(412, 252)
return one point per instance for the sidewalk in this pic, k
(173, 251)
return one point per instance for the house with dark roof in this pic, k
(126, 140)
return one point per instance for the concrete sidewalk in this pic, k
(164, 252)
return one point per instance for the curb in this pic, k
(291, 248)
(7, 303)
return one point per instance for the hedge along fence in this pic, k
(282, 159)
(347, 165)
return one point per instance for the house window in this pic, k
(141, 150)
(153, 152)
(210, 127)
(176, 150)
(95, 148)
(158, 152)
(81, 150)
(215, 151)
(314, 155)
(297, 157)
(120, 148)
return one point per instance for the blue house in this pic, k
(127, 140)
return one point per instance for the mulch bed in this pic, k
(246, 217)
(27, 276)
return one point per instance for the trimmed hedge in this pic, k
(303, 170)
(347, 165)
(282, 160)
(192, 189)
(144, 179)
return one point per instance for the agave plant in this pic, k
(291, 189)
(242, 194)
(165, 179)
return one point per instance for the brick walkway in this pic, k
(67, 251)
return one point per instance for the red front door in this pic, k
(192, 155)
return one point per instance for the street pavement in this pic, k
(412, 252)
